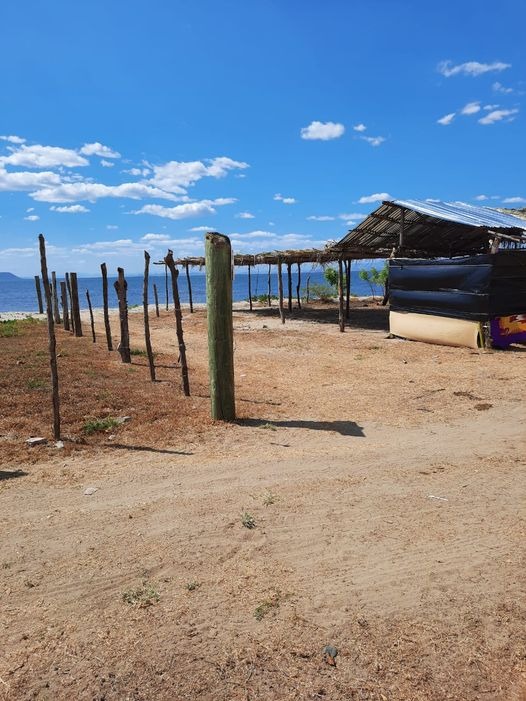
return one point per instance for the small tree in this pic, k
(376, 278)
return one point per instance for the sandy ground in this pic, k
(386, 483)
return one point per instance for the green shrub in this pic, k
(95, 425)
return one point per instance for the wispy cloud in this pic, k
(373, 140)
(471, 108)
(73, 192)
(322, 131)
(245, 215)
(498, 116)
(320, 218)
(481, 198)
(471, 68)
(176, 176)
(499, 87)
(70, 209)
(155, 237)
(359, 127)
(514, 200)
(285, 200)
(183, 211)
(376, 197)
(106, 164)
(98, 149)
(13, 139)
(32, 217)
(446, 119)
(38, 156)
(26, 180)
(202, 228)
(111, 227)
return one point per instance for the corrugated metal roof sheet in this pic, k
(463, 213)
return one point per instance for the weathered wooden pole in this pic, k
(77, 324)
(341, 316)
(280, 291)
(166, 284)
(189, 283)
(170, 263)
(289, 285)
(54, 293)
(307, 290)
(269, 294)
(347, 288)
(39, 295)
(121, 287)
(249, 288)
(218, 256)
(146, 315)
(298, 296)
(92, 321)
(52, 340)
(68, 285)
(107, 326)
(64, 300)
(156, 297)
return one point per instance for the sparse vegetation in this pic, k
(266, 606)
(34, 383)
(95, 425)
(269, 498)
(376, 278)
(138, 351)
(248, 520)
(192, 586)
(142, 596)
(268, 426)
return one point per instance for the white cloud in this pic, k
(155, 237)
(138, 171)
(353, 216)
(98, 149)
(73, 192)
(202, 228)
(285, 200)
(498, 116)
(32, 217)
(320, 218)
(183, 211)
(490, 107)
(360, 127)
(38, 156)
(472, 68)
(471, 108)
(245, 215)
(13, 139)
(446, 119)
(514, 200)
(176, 176)
(106, 164)
(30, 209)
(70, 209)
(499, 87)
(111, 227)
(481, 198)
(322, 131)
(25, 180)
(373, 140)
(377, 197)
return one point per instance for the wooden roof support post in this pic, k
(269, 293)
(166, 284)
(280, 291)
(341, 316)
(39, 295)
(289, 286)
(189, 283)
(218, 253)
(170, 263)
(52, 340)
(105, 305)
(249, 288)
(401, 235)
(298, 286)
(348, 287)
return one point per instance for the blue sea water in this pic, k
(20, 295)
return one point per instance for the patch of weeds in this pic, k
(137, 351)
(36, 384)
(94, 425)
(374, 348)
(41, 353)
(6, 565)
(358, 357)
(268, 426)
(266, 606)
(9, 328)
(269, 498)
(248, 520)
(192, 586)
(143, 596)
(133, 306)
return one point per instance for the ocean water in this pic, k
(19, 295)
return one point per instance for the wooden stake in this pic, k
(107, 326)
(75, 305)
(54, 293)
(218, 256)
(156, 297)
(39, 295)
(189, 283)
(280, 292)
(169, 262)
(92, 322)
(289, 286)
(64, 300)
(52, 340)
(166, 284)
(146, 316)
(269, 294)
(121, 287)
(341, 316)
(307, 290)
(68, 285)
(347, 288)
(298, 296)
(249, 288)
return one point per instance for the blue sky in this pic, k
(132, 125)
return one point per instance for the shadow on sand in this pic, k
(372, 316)
(344, 428)
(145, 448)
(11, 474)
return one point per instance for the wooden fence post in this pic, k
(39, 295)
(347, 288)
(52, 340)
(189, 283)
(156, 297)
(249, 289)
(218, 256)
(121, 287)
(298, 286)
(72, 318)
(92, 321)
(64, 300)
(166, 284)
(170, 263)
(107, 326)
(269, 294)
(341, 316)
(146, 316)
(75, 304)
(54, 293)
(289, 285)
(280, 291)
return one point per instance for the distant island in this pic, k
(4, 277)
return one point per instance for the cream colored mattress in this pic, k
(436, 329)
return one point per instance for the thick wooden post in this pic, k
(156, 297)
(64, 300)
(54, 293)
(39, 295)
(280, 291)
(72, 318)
(75, 304)
(269, 294)
(347, 288)
(298, 295)
(92, 321)
(166, 284)
(218, 256)
(189, 283)
(289, 285)
(107, 326)
(146, 315)
(52, 340)
(121, 287)
(341, 316)
(170, 263)
(249, 288)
